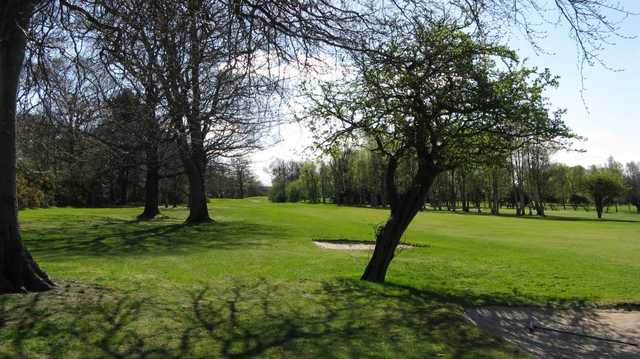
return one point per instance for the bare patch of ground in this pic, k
(513, 323)
(349, 245)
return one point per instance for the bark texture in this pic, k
(18, 271)
(403, 209)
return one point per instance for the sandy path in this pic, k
(512, 323)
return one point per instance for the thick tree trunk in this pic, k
(152, 185)
(18, 271)
(195, 167)
(403, 209)
(540, 209)
(196, 163)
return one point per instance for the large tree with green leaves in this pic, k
(433, 96)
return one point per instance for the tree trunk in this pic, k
(495, 196)
(195, 170)
(403, 209)
(152, 185)
(599, 204)
(18, 271)
(463, 193)
(196, 163)
(241, 183)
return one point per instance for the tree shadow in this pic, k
(342, 318)
(546, 217)
(572, 219)
(128, 238)
(469, 298)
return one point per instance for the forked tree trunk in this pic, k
(403, 209)
(152, 184)
(18, 271)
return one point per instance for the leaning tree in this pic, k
(434, 96)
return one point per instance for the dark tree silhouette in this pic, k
(18, 271)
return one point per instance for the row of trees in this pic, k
(527, 182)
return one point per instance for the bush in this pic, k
(34, 191)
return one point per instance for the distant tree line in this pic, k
(102, 163)
(527, 182)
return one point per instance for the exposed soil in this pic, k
(513, 323)
(349, 245)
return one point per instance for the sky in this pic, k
(602, 103)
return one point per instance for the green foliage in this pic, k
(436, 94)
(34, 190)
(632, 181)
(310, 181)
(605, 185)
(295, 191)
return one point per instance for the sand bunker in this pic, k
(343, 244)
(547, 339)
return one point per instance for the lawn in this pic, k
(254, 284)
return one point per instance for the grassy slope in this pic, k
(254, 284)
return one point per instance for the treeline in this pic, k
(527, 182)
(97, 164)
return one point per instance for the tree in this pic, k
(310, 182)
(18, 271)
(604, 186)
(432, 96)
(632, 181)
(576, 180)
(559, 182)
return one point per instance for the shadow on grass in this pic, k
(514, 298)
(547, 217)
(152, 238)
(342, 318)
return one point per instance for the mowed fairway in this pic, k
(254, 284)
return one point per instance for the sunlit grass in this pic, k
(253, 282)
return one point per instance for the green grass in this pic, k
(254, 284)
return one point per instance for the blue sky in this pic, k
(609, 116)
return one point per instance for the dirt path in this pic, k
(513, 323)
